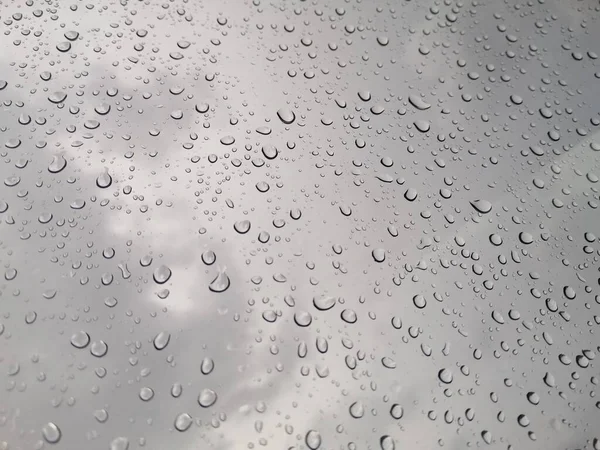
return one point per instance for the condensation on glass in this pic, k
(299, 224)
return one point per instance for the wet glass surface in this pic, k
(299, 224)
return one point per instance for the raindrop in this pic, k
(419, 301)
(287, 116)
(207, 398)
(161, 340)
(227, 140)
(209, 257)
(146, 394)
(313, 439)
(51, 433)
(242, 226)
(57, 97)
(183, 422)
(388, 362)
(99, 349)
(487, 437)
(80, 339)
(120, 443)
(202, 108)
(102, 109)
(482, 206)
(396, 411)
(533, 398)
(324, 302)
(161, 274)
(270, 151)
(378, 255)
(386, 442)
(525, 238)
(104, 180)
(418, 102)
(221, 282)
(58, 163)
(207, 366)
(357, 410)
(410, 194)
(349, 316)
(445, 376)
(302, 318)
(422, 125)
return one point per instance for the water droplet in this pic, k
(410, 194)
(202, 108)
(498, 317)
(51, 433)
(445, 376)
(378, 255)
(482, 206)
(183, 422)
(161, 340)
(270, 151)
(324, 302)
(357, 410)
(349, 316)
(207, 366)
(221, 282)
(80, 339)
(302, 318)
(207, 398)
(57, 97)
(242, 226)
(388, 362)
(386, 442)
(146, 393)
(419, 301)
(58, 163)
(161, 274)
(422, 125)
(418, 102)
(120, 443)
(533, 398)
(287, 116)
(525, 238)
(486, 436)
(313, 439)
(102, 109)
(209, 257)
(396, 411)
(104, 180)
(227, 140)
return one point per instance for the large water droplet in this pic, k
(104, 180)
(120, 443)
(418, 102)
(482, 206)
(80, 339)
(445, 376)
(207, 398)
(51, 433)
(58, 163)
(242, 227)
(324, 302)
(357, 410)
(161, 340)
(58, 97)
(221, 282)
(313, 439)
(183, 422)
(161, 274)
(386, 442)
(287, 116)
